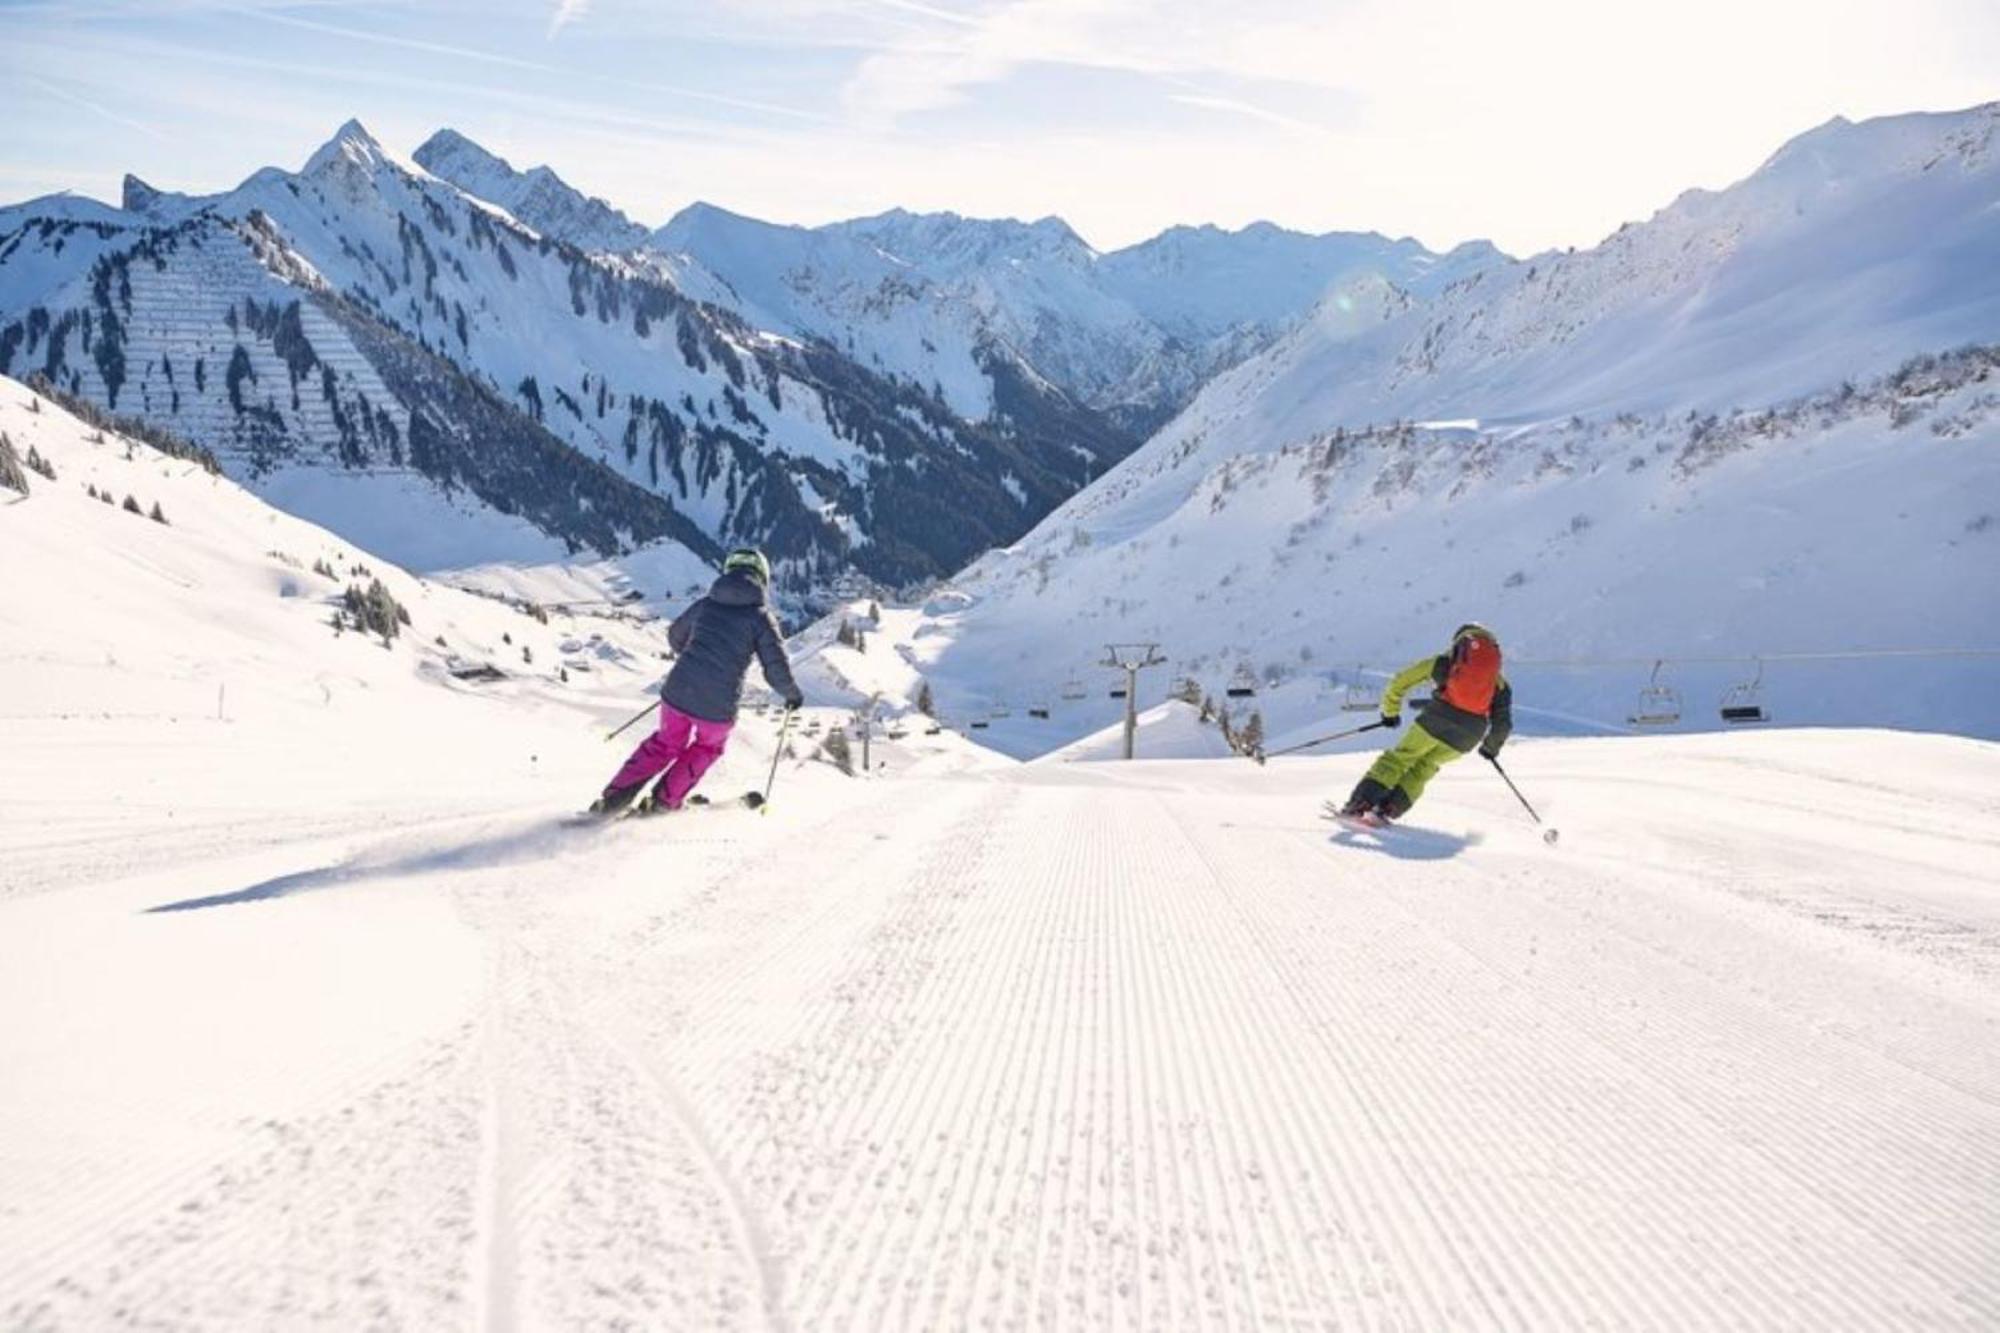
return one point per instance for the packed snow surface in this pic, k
(317, 1015)
(1137, 1046)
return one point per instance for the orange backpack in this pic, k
(1473, 676)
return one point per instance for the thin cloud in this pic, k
(537, 66)
(928, 11)
(96, 109)
(404, 43)
(1235, 107)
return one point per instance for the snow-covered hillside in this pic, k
(212, 628)
(1747, 437)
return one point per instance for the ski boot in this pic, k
(613, 801)
(652, 803)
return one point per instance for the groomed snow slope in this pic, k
(1111, 1046)
(316, 1016)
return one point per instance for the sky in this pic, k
(1536, 124)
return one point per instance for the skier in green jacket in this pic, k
(1471, 706)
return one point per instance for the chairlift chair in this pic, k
(1744, 703)
(1357, 697)
(979, 724)
(1040, 712)
(1073, 689)
(1659, 702)
(1242, 685)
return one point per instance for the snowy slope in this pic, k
(219, 620)
(1074, 1044)
(1849, 523)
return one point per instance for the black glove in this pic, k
(1488, 750)
(794, 702)
(1391, 720)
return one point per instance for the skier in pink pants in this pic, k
(683, 748)
(715, 639)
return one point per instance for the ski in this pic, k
(643, 809)
(1358, 823)
(749, 800)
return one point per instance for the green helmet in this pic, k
(748, 560)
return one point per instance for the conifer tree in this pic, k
(11, 475)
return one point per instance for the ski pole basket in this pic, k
(1659, 703)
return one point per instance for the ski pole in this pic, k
(1260, 756)
(633, 721)
(1549, 835)
(777, 753)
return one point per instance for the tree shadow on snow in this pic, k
(535, 843)
(1407, 844)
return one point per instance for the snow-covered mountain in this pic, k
(334, 331)
(940, 298)
(1853, 248)
(537, 196)
(1762, 424)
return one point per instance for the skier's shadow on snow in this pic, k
(1407, 844)
(521, 845)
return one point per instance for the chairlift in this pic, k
(1357, 697)
(1001, 711)
(1118, 691)
(1242, 685)
(1073, 689)
(1040, 712)
(1745, 703)
(979, 724)
(1659, 703)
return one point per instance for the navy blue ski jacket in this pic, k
(715, 639)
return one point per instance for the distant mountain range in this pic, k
(467, 362)
(1765, 421)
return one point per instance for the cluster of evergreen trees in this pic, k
(132, 428)
(371, 610)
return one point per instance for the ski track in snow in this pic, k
(1096, 1046)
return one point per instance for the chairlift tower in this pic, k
(1132, 658)
(864, 718)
